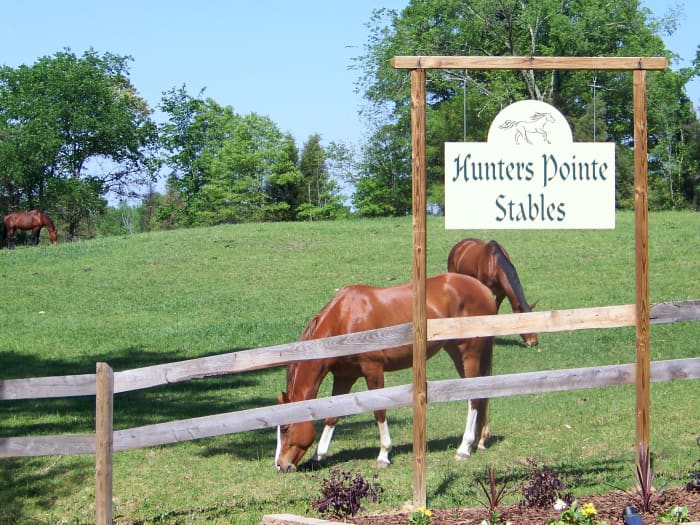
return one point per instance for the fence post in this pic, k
(104, 443)
(641, 212)
(420, 324)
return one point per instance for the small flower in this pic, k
(560, 505)
(588, 510)
(421, 516)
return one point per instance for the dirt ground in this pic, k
(609, 507)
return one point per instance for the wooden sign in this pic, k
(530, 174)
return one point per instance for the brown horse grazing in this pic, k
(33, 220)
(490, 263)
(357, 308)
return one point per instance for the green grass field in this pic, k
(153, 298)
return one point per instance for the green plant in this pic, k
(675, 514)
(494, 495)
(421, 516)
(645, 478)
(577, 515)
(342, 494)
(494, 519)
(544, 487)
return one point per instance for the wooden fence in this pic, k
(105, 383)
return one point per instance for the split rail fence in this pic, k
(105, 383)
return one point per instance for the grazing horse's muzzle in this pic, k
(287, 468)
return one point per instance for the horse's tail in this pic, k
(508, 124)
(3, 235)
(511, 275)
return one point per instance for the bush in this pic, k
(342, 494)
(544, 488)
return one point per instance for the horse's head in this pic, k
(293, 441)
(52, 236)
(530, 339)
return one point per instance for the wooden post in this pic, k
(420, 323)
(104, 443)
(641, 222)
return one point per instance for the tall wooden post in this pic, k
(420, 324)
(104, 443)
(641, 214)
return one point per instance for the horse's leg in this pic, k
(473, 358)
(11, 238)
(499, 299)
(34, 239)
(375, 379)
(341, 385)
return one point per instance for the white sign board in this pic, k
(529, 175)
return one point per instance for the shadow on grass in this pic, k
(70, 415)
(29, 479)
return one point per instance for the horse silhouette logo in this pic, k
(525, 128)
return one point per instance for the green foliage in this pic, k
(675, 514)
(578, 515)
(421, 516)
(228, 168)
(63, 117)
(342, 494)
(462, 104)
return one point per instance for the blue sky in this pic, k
(288, 60)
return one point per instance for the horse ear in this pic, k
(532, 306)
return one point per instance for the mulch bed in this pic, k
(609, 507)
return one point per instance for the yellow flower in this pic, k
(425, 512)
(589, 510)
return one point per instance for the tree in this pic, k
(72, 118)
(383, 188)
(225, 168)
(320, 197)
(471, 99)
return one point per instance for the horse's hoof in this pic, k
(481, 447)
(381, 463)
(460, 456)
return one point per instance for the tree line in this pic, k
(74, 130)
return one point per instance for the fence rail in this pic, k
(259, 358)
(438, 391)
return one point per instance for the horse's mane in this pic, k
(305, 335)
(308, 334)
(511, 274)
(47, 221)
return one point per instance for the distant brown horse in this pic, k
(33, 220)
(357, 308)
(490, 263)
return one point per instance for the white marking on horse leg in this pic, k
(384, 444)
(465, 448)
(279, 448)
(324, 442)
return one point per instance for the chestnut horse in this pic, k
(357, 308)
(491, 264)
(33, 220)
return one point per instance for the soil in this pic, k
(609, 506)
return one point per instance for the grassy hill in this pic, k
(153, 298)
